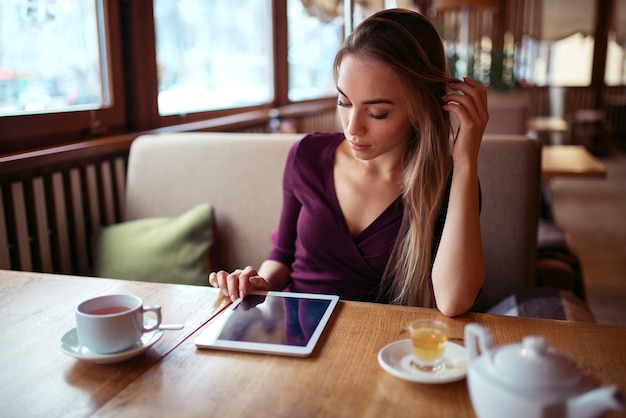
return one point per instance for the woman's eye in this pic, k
(379, 117)
(376, 116)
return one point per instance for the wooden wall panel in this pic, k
(42, 228)
(80, 242)
(24, 257)
(5, 259)
(61, 225)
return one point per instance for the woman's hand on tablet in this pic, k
(239, 283)
(272, 275)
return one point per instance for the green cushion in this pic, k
(165, 249)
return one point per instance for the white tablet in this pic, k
(282, 323)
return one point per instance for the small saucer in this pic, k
(396, 358)
(71, 347)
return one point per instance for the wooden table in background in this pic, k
(569, 161)
(546, 127)
(173, 378)
(547, 124)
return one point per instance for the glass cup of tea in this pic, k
(428, 338)
(113, 323)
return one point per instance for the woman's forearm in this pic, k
(459, 266)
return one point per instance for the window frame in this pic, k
(20, 133)
(129, 28)
(142, 78)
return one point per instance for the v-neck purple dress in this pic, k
(313, 237)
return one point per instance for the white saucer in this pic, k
(396, 359)
(71, 347)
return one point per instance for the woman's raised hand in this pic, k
(470, 106)
(238, 283)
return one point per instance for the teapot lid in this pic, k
(535, 364)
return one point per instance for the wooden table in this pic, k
(569, 161)
(547, 124)
(546, 127)
(36, 310)
(174, 378)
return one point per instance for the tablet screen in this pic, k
(271, 322)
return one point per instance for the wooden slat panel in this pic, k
(79, 238)
(92, 188)
(61, 223)
(615, 107)
(577, 98)
(539, 101)
(93, 201)
(5, 258)
(42, 228)
(21, 227)
(324, 122)
(107, 193)
(120, 185)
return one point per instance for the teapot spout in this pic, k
(595, 403)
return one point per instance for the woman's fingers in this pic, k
(259, 283)
(219, 280)
(232, 284)
(470, 106)
(472, 103)
(244, 281)
(472, 88)
(476, 90)
(238, 283)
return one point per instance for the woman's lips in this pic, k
(358, 147)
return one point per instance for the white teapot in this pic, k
(531, 380)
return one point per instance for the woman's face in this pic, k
(371, 107)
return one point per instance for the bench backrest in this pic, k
(509, 169)
(239, 174)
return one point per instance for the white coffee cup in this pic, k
(112, 323)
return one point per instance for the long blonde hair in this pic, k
(411, 46)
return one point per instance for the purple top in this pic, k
(313, 238)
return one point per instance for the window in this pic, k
(468, 43)
(314, 35)
(72, 70)
(559, 50)
(523, 42)
(615, 73)
(211, 55)
(316, 30)
(61, 78)
(55, 64)
(570, 61)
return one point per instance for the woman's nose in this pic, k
(353, 124)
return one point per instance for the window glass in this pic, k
(615, 73)
(570, 61)
(314, 35)
(213, 54)
(565, 52)
(50, 56)
(468, 43)
(549, 63)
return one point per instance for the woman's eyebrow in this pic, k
(366, 102)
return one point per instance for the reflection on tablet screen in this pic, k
(274, 320)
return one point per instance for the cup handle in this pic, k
(157, 311)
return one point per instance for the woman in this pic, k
(388, 211)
